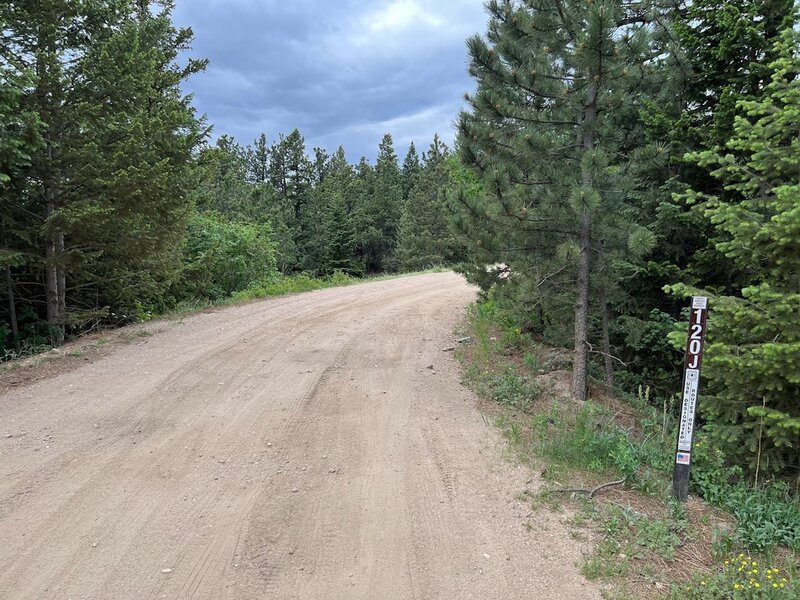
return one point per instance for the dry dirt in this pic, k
(290, 448)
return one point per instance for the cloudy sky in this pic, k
(342, 71)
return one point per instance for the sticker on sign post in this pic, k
(686, 430)
(683, 458)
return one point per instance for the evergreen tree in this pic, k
(258, 161)
(713, 54)
(290, 170)
(331, 243)
(720, 59)
(544, 133)
(319, 166)
(727, 46)
(379, 213)
(222, 184)
(363, 188)
(753, 355)
(19, 140)
(106, 194)
(290, 178)
(411, 169)
(424, 238)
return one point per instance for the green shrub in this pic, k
(222, 257)
(279, 285)
(511, 389)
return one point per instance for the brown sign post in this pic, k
(691, 385)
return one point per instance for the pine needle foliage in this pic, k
(559, 84)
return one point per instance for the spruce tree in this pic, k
(753, 354)
(337, 217)
(363, 187)
(716, 55)
(424, 238)
(19, 140)
(713, 55)
(543, 132)
(411, 169)
(378, 213)
(106, 192)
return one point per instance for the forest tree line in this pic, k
(115, 205)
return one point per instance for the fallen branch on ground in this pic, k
(593, 491)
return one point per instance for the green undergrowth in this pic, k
(646, 545)
(274, 286)
(293, 284)
(303, 282)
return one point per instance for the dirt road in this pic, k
(292, 448)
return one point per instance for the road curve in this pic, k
(300, 447)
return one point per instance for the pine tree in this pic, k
(290, 170)
(411, 169)
(424, 238)
(19, 140)
(337, 234)
(319, 166)
(258, 161)
(223, 185)
(108, 187)
(544, 133)
(378, 213)
(753, 355)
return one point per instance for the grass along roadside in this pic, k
(646, 545)
(43, 360)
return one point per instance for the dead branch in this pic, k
(591, 493)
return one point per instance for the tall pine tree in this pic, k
(543, 133)
(424, 238)
(378, 212)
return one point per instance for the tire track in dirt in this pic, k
(289, 448)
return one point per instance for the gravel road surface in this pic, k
(317, 446)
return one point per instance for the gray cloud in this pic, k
(343, 72)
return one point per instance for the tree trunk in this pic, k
(55, 278)
(12, 307)
(48, 95)
(61, 277)
(580, 362)
(607, 360)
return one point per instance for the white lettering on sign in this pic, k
(686, 430)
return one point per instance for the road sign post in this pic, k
(691, 385)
